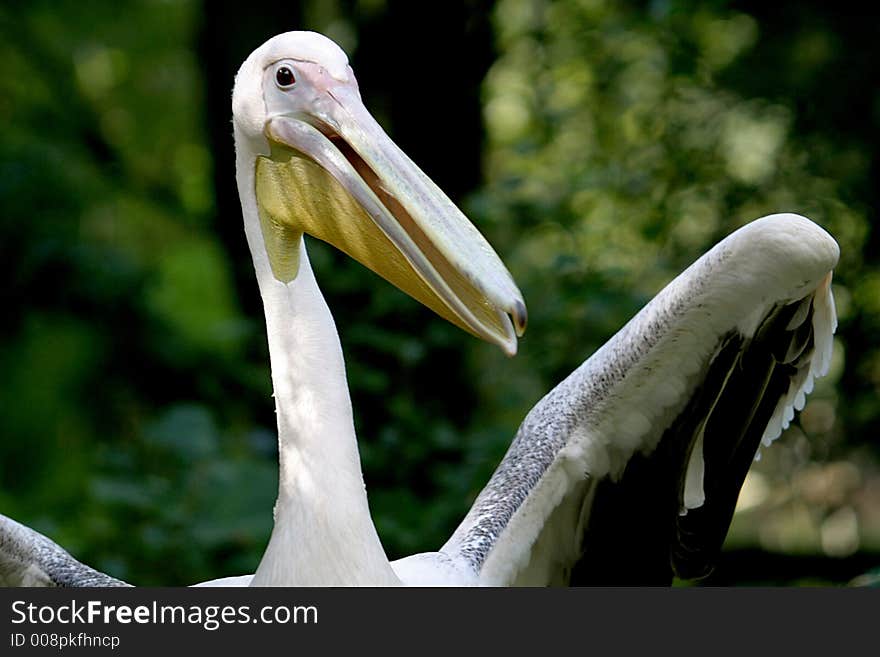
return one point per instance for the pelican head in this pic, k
(324, 166)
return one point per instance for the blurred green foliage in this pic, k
(622, 140)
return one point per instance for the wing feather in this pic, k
(27, 558)
(740, 336)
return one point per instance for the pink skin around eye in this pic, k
(321, 79)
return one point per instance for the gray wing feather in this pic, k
(528, 524)
(27, 558)
(548, 428)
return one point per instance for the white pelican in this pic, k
(628, 471)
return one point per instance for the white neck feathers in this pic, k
(323, 533)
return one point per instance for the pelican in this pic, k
(627, 472)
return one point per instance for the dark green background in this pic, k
(600, 146)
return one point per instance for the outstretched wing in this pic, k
(27, 558)
(629, 470)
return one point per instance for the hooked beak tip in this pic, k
(520, 317)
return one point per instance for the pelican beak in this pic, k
(333, 173)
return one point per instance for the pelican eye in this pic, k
(284, 77)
